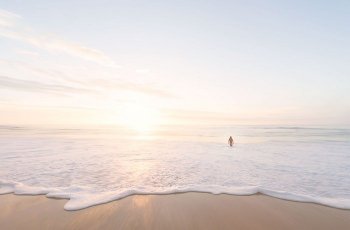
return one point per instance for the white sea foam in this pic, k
(91, 167)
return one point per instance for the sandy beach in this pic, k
(177, 211)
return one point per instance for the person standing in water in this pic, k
(230, 141)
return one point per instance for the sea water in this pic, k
(90, 166)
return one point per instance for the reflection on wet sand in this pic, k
(176, 211)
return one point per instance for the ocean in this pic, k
(95, 165)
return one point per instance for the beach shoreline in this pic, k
(190, 210)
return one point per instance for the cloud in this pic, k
(142, 71)
(184, 114)
(7, 18)
(94, 85)
(34, 86)
(43, 70)
(130, 86)
(142, 88)
(11, 28)
(27, 53)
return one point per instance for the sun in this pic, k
(139, 118)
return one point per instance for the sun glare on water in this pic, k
(140, 118)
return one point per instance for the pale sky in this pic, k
(210, 62)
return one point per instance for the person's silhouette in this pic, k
(230, 141)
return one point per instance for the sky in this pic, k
(174, 62)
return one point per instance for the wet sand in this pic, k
(177, 211)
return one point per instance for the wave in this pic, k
(80, 197)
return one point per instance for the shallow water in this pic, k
(97, 165)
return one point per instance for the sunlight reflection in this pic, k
(140, 201)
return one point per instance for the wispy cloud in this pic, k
(10, 27)
(27, 53)
(133, 87)
(43, 70)
(184, 114)
(96, 85)
(142, 71)
(7, 18)
(34, 86)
